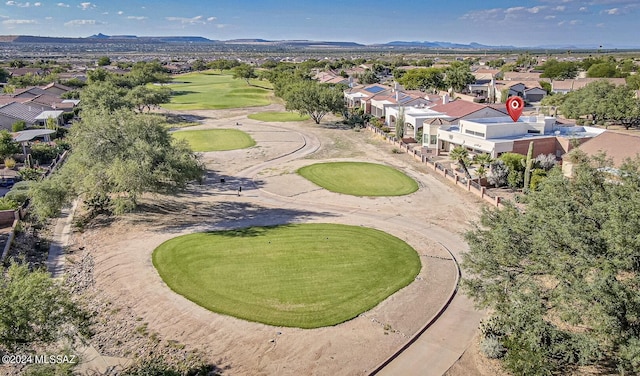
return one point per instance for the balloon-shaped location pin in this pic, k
(515, 105)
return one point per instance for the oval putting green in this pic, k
(304, 276)
(215, 139)
(274, 116)
(359, 178)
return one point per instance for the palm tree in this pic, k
(460, 155)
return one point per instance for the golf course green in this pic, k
(215, 139)
(306, 276)
(212, 91)
(359, 178)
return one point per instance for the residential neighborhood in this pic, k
(319, 189)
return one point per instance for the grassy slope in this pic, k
(304, 276)
(215, 139)
(210, 91)
(359, 178)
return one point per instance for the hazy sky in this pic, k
(610, 23)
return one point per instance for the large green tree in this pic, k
(314, 99)
(245, 72)
(561, 277)
(423, 79)
(144, 97)
(559, 70)
(118, 156)
(458, 77)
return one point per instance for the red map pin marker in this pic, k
(515, 105)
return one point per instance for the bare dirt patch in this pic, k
(125, 276)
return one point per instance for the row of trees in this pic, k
(457, 76)
(118, 154)
(561, 278)
(600, 102)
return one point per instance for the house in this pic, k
(499, 135)
(354, 96)
(32, 115)
(380, 103)
(56, 89)
(331, 78)
(567, 86)
(458, 110)
(530, 91)
(417, 118)
(523, 76)
(616, 146)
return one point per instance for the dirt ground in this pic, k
(272, 193)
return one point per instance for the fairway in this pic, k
(215, 139)
(210, 91)
(278, 116)
(304, 276)
(359, 178)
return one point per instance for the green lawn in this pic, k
(215, 139)
(359, 178)
(278, 116)
(211, 91)
(304, 276)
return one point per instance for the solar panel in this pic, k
(374, 89)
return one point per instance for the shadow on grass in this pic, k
(177, 93)
(335, 126)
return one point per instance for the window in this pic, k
(433, 139)
(533, 131)
(479, 134)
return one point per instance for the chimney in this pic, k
(397, 96)
(445, 99)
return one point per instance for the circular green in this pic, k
(215, 139)
(359, 178)
(306, 276)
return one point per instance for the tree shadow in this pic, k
(181, 118)
(175, 217)
(335, 126)
(177, 93)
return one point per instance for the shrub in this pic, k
(8, 204)
(385, 129)
(44, 153)
(17, 195)
(30, 173)
(9, 163)
(492, 348)
(499, 173)
(18, 126)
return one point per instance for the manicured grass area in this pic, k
(278, 116)
(215, 139)
(305, 276)
(359, 178)
(211, 91)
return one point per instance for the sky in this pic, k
(525, 23)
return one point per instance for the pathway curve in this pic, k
(448, 334)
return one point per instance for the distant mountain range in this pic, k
(133, 39)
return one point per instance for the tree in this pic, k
(608, 69)
(34, 309)
(147, 72)
(4, 75)
(460, 155)
(368, 77)
(422, 79)
(556, 70)
(117, 156)
(104, 95)
(8, 147)
(633, 81)
(245, 72)
(198, 65)
(103, 61)
(143, 96)
(561, 278)
(515, 164)
(314, 99)
(458, 77)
